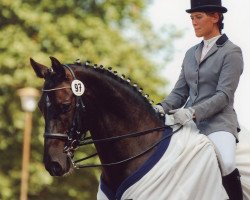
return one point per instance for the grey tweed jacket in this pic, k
(208, 86)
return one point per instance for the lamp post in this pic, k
(28, 97)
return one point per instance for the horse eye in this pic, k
(65, 107)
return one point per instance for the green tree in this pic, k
(108, 32)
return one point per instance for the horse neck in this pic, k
(116, 109)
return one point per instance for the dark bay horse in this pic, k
(107, 106)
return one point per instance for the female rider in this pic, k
(206, 86)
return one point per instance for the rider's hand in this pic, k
(159, 109)
(183, 115)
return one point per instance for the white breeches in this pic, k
(225, 147)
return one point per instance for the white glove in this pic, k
(183, 115)
(159, 109)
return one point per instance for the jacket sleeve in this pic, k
(228, 82)
(178, 96)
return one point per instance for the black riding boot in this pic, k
(232, 184)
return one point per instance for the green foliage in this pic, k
(108, 32)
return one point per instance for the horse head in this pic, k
(108, 106)
(57, 106)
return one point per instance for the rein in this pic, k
(118, 138)
(75, 138)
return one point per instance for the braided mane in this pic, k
(120, 78)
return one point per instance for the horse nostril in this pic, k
(56, 169)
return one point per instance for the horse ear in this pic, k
(57, 66)
(40, 70)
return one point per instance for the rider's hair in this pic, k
(220, 22)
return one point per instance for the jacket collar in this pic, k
(222, 40)
(219, 43)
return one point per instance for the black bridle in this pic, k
(76, 137)
(75, 134)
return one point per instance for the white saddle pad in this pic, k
(188, 170)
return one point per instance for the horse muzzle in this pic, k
(56, 162)
(57, 168)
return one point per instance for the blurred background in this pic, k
(143, 39)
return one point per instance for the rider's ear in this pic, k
(40, 70)
(57, 67)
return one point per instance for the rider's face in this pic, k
(205, 25)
